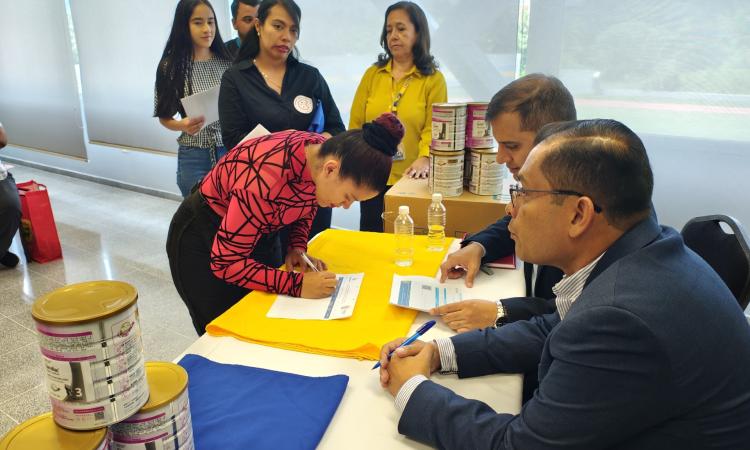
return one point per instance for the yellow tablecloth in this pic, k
(374, 321)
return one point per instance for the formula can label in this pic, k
(181, 440)
(448, 126)
(446, 172)
(490, 186)
(451, 144)
(448, 189)
(478, 133)
(117, 329)
(174, 415)
(483, 174)
(446, 130)
(86, 416)
(449, 111)
(446, 168)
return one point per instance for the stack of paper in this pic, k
(338, 306)
(423, 293)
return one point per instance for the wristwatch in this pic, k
(501, 319)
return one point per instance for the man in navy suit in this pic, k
(648, 348)
(516, 112)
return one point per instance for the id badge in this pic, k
(400, 154)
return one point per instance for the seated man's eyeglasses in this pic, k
(516, 191)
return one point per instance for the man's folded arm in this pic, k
(607, 382)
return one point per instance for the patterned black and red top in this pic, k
(257, 188)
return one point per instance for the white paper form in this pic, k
(340, 305)
(204, 104)
(423, 293)
(258, 131)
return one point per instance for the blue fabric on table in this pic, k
(241, 407)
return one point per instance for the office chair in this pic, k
(727, 253)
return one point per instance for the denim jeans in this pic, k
(193, 163)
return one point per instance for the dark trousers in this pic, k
(370, 213)
(530, 384)
(10, 213)
(191, 236)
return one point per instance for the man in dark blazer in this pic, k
(516, 112)
(648, 348)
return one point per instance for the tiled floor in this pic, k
(106, 233)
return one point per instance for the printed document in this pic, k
(340, 305)
(423, 293)
(204, 104)
(258, 131)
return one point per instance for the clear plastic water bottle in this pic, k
(436, 224)
(403, 228)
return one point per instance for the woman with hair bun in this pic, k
(220, 242)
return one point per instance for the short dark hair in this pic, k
(603, 159)
(251, 45)
(236, 6)
(359, 161)
(539, 99)
(423, 59)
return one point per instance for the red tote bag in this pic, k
(38, 230)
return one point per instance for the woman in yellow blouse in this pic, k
(406, 82)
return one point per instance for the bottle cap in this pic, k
(437, 197)
(403, 209)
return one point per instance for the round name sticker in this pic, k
(303, 104)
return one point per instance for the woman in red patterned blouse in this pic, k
(222, 241)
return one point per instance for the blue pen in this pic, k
(422, 330)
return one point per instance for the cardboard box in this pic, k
(467, 213)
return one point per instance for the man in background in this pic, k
(516, 113)
(244, 15)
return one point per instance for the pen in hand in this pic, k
(309, 263)
(422, 330)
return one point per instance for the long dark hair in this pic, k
(423, 60)
(176, 64)
(251, 45)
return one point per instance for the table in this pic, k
(367, 417)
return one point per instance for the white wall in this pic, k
(147, 172)
(695, 177)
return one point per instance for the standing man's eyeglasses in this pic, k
(516, 191)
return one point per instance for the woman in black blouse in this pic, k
(267, 85)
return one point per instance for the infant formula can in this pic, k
(448, 126)
(484, 174)
(164, 421)
(446, 172)
(90, 340)
(42, 433)
(478, 133)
